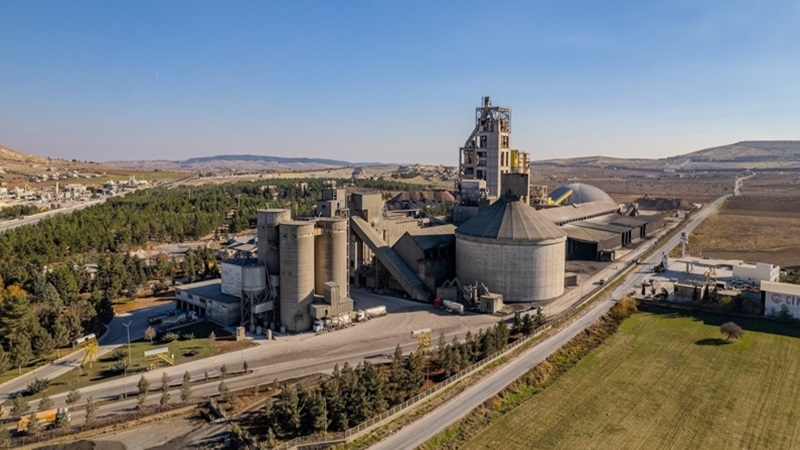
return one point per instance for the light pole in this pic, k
(130, 361)
(128, 329)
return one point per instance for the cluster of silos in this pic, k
(513, 251)
(304, 255)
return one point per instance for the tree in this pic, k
(397, 377)
(288, 411)
(45, 403)
(21, 352)
(315, 413)
(34, 426)
(335, 404)
(245, 366)
(144, 389)
(73, 397)
(540, 319)
(212, 337)
(91, 410)
(150, 334)
(731, 331)
(223, 371)
(5, 361)
(164, 390)
(227, 395)
(19, 406)
(5, 437)
(186, 387)
(528, 325)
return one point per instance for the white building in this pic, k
(753, 273)
(778, 295)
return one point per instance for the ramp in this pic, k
(415, 288)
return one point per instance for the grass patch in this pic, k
(663, 380)
(183, 350)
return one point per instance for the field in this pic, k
(754, 227)
(667, 381)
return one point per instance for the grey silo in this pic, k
(297, 274)
(267, 222)
(330, 255)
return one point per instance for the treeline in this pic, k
(17, 211)
(354, 395)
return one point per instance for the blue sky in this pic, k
(393, 81)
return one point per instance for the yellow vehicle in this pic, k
(46, 418)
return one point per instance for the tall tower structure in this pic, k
(487, 153)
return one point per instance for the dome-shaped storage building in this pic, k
(513, 251)
(581, 193)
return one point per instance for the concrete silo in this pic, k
(513, 251)
(267, 225)
(330, 255)
(296, 274)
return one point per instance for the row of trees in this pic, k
(354, 395)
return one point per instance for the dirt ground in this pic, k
(145, 302)
(761, 225)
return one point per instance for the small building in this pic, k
(753, 273)
(491, 303)
(776, 296)
(207, 300)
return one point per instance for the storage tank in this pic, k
(512, 250)
(330, 255)
(267, 221)
(297, 274)
(254, 278)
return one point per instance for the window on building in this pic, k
(483, 142)
(503, 141)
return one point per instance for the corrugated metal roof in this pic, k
(596, 225)
(587, 234)
(512, 220)
(571, 213)
(433, 237)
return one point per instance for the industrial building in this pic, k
(780, 296)
(498, 247)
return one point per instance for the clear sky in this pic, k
(393, 80)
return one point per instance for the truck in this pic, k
(178, 319)
(152, 320)
(332, 323)
(46, 418)
(369, 313)
(455, 307)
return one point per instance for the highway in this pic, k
(36, 218)
(439, 419)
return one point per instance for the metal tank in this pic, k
(267, 221)
(330, 255)
(512, 250)
(297, 274)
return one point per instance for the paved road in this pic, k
(436, 421)
(34, 219)
(115, 336)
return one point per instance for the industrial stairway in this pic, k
(391, 260)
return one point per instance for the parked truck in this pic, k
(46, 418)
(369, 313)
(455, 307)
(152, 320)
(332, 323)
(178, 319)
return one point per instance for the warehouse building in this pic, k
(780, 296)
(430, 252)
(208, 301)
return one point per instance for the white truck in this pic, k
(369, 313)
(455, 307)
(332, 323)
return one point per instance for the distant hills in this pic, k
(739, 156)
(241, 163)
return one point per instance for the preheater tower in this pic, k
(296, 274)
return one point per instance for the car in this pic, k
(601, 281)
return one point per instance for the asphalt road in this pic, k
(34, 219)
(436, 421)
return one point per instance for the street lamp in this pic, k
(130, 361)
(128, 328)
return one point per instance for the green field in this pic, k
(667, 381)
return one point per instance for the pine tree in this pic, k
(45, 403)
(528, 325)
(397, 377)
(73, 397)
(374, 387)
(91, 410)
(144, 389)
(318, 412)
(223, 371)
(186, 387)
(164, 390)
(34, 426)
(5, 437)
(19, 406)
(335, 404)
(21, 352)
(288, 411)
(5, 361)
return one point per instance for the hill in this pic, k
(249, 163)
(738, 156)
